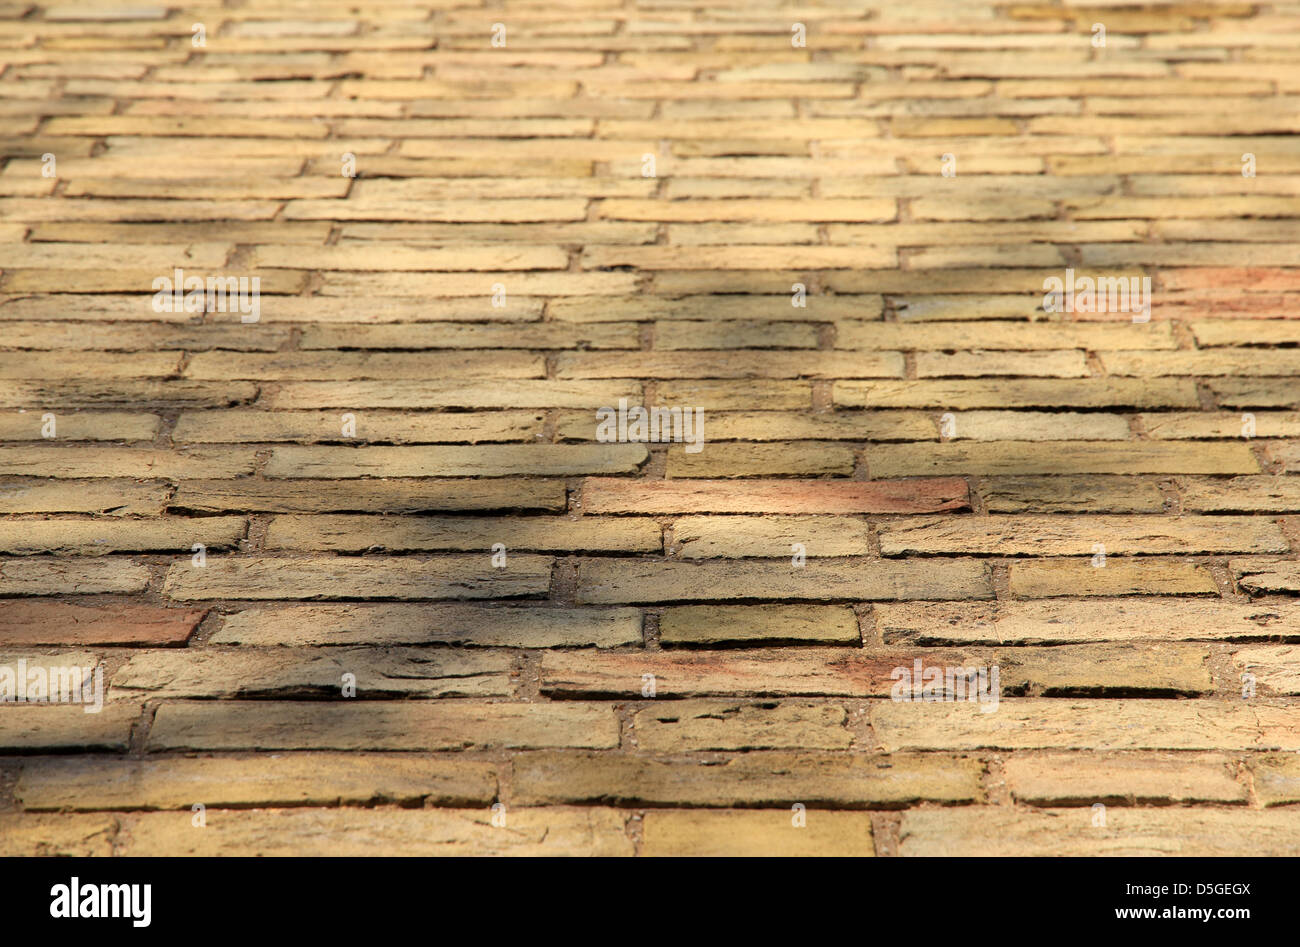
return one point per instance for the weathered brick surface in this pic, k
(1204, 832)
(1059, 621)
(1066, 494)
(100, 537)
(49, 575)
(1041, 578)
(381, 725)
(378, 832)
(1121, 668)
(243, 426)
(50, 622)
(311, 779)
(400, 474)
(701, 625)
(1016, 457)
(760, 778)
(1260, 576)
(470, 625)
(1027, 535)
(683, 726)
(107, 497)
(76, 836)
(756, 834)
(389, 577)
(553, 460)
(398, 495)
(1276, 779)
(1085, 779)
(550, 533)
(1115, 724)
(293, 672)
(781, 496)
(734, 537)
(1276, 668)
(611, 581)
(763, 460)
(34, 727)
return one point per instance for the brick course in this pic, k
(361, 568)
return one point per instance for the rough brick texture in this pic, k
(405, 546)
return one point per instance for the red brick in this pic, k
(60, 623)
